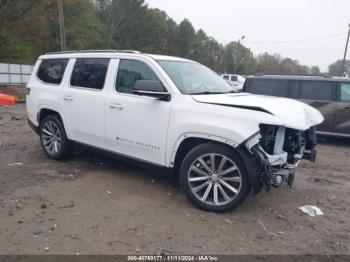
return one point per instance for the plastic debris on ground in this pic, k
(312, 211)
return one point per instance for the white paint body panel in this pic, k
(137, 126)
(149, 129)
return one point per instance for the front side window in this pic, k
(345, 92)
(51, 71)
(130, 71)
(193, 78)
(316, 90)
(270, 87)
(89, 73)
(226, 77)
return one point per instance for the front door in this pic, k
(136, 125)
(342, 121)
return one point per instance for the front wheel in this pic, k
(214, 178)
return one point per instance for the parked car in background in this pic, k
(330, 95)
(234, 80)
(172, 113)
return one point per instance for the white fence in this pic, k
(14, 73)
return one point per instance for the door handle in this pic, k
(116, 106)
(68, 98)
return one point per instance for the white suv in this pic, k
(174, 113)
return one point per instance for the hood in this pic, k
(291, 113)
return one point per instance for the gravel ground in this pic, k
(93, 204)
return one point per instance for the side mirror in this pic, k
(151, 88)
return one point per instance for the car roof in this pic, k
(327, 78)
(110, 54)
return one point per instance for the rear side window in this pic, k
(51, 71)
(294, 91)
(89, 73)
(270, 87)
(129, 72)
(345, 92)
(316, 90)
(225, 77)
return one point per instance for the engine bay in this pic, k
(280, 150)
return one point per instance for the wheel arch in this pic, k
(45, 111)
(190, 140)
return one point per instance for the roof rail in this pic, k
(312, 75)
(95, 51)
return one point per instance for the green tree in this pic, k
(124, 20)
(207, 51)
(290, 66)
(35, 24)
(126, 24)
(336, 69)
(237, 59)
(84, 29)
(185, 35)
(155, 30)
(315, 70)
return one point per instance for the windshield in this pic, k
(193, 78)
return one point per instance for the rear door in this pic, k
(319, 94)
(84, 101)
(342, 121)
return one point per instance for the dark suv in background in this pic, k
(330, 95)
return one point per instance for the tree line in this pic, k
(29, 28)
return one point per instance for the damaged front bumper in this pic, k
(279, 151)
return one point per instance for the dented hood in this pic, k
(289, 112)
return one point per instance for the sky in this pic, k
(311, 31)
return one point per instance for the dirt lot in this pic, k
(93, 204)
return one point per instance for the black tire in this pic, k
(65, 149)
(218, 150)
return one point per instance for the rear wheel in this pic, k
(53, 138)
(214, 178)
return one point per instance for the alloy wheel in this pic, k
(214, 179)
(51, 137)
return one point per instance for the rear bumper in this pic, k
(32, 126)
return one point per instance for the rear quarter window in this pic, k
(345, 92)
(270, 87)
(51, 71)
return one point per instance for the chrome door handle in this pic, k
(68, 98)
(116, 106)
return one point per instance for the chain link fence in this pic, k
(14, 73)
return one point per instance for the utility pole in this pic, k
(346, 49)
(236, 52)
(61, 23)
